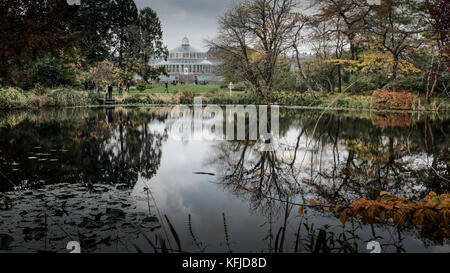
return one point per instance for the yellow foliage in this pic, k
(103, 73)
(371, 61)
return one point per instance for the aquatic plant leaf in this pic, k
(174, 233)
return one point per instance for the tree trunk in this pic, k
(434, 71)
(395, 69)
(301, 73)
(339, 78)
(430, 92)
(353, 47)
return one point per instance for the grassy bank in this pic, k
(159, 88)
(343, 100)
(13, 98)
(16, 99)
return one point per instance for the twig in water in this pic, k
(196, 242)
(159, 214)
(227, 237)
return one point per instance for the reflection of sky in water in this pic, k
(178, 192)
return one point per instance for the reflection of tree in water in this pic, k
(127, 150)
(92, 146)
(367, 160)
(437, 177)
(348, 159)
(251, 173)
(340, 159)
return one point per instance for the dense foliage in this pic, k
(51, 43)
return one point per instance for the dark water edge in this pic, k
(109, 177)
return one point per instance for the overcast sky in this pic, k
(197, 19)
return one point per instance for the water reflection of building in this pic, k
(187, 64)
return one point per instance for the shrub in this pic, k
(12, 98)
(392, 100)
(187, 93)
(141, 85)
(39, 90)
(35, 101)
(66, 97)
(186, 100)
(136, 99)
(93, 98)
(186, 97)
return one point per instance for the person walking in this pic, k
(128, 86)
(121, 88)
(166, 84)
(118, 88)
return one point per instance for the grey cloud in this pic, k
(195, 18)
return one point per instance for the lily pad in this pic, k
(5, 241)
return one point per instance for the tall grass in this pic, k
(13, 98)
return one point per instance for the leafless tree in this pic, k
(257, 32)
(352, 16)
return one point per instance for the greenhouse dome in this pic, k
(186, 64)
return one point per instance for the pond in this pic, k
(112, 178)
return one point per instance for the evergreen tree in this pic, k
(123, 13)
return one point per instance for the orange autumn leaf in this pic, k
(326, 207)
(312, 202)
(301, 210)
(337, 207)
(343, 217)
(431, 212)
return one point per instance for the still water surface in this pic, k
(109, 178)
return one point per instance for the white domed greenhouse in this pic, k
(186, 64)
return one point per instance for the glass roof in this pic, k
(185, 47)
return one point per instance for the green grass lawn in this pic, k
(159, 88)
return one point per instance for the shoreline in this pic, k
(62, 98)
(140, 105)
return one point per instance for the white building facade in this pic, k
(187, 65)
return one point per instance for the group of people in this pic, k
(89, 85)
(120, 87)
